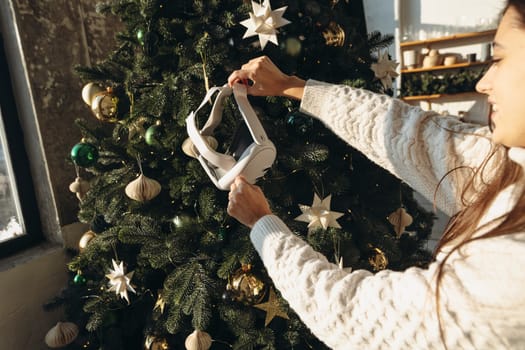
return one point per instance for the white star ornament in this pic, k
(264, 22)
(385, 70)
(319, 214)
(119, 281)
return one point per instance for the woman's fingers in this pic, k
(246, 203)
(260, 71)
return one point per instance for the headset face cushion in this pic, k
(242, 139)
(250, 153)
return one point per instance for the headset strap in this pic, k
(217, 159)
(249, 115)
(216, 112)
(257, 132)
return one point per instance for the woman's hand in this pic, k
(267, 79)
(247, 202)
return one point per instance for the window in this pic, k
(19, 217)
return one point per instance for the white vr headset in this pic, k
(250, 154)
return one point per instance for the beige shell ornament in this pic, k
(400, 219)
(89, 91)
(85, 239)
(142, 189)
(62, 334)
(79, 187)
(198, 340)
(190, 150)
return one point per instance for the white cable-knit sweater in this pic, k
(483, 290)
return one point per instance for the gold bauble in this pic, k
(154, 343)
(334, 35)
(104, 106)
(143, 188)
(85, 239)
(198, 340)
(378, 259)
(245, 287)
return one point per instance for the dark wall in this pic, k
(55, 36)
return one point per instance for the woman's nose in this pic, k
(483, 85)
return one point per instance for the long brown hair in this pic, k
(463, 226)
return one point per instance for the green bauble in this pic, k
(84, 154)
(152, 135)
(79, 279)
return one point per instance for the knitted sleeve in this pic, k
(355, 310)
(480, 309)
(414, 145)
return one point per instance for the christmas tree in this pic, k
(163, 265)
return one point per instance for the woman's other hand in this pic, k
(267, 79)
(247, 202)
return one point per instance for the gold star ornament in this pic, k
(160, 304)
(319, 214)
(272, 308)
(264, 22)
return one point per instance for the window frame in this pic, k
(20, 166)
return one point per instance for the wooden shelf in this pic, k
(471, 37)
(445, 42)
(452, 66)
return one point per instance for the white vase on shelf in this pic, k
(410, 59)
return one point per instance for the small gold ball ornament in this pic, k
(198, 340)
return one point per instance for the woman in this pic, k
(473, 295)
